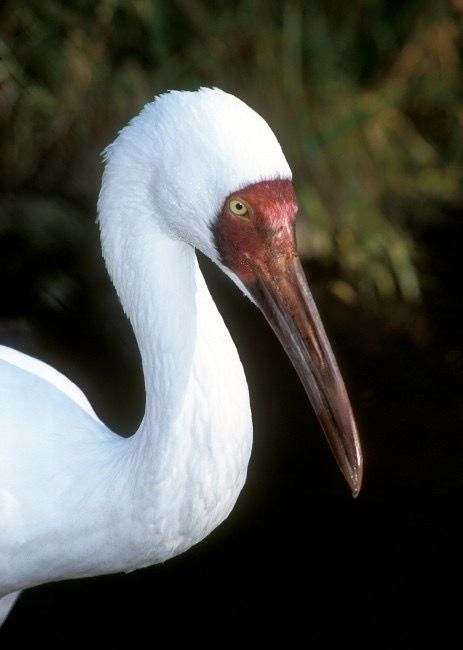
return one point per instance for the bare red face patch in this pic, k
(255, 225)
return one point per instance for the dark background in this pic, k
(367, 101)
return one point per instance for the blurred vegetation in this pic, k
(365, 97)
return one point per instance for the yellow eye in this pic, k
(238, 207)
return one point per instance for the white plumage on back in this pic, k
(76, 499)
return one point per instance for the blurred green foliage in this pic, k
(365, 97)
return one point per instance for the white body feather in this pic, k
(75, 498)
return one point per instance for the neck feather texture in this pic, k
(189, 457)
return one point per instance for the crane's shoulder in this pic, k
(29, 364)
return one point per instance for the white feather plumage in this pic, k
(76, 499)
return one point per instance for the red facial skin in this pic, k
(247, 243)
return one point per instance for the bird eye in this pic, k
(238, 207)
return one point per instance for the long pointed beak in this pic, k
(281, 291)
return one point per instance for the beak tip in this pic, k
(356, 491)
(355, 480)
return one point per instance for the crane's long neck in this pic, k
(189, 457)
(156, 279)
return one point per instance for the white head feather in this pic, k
(185, 153)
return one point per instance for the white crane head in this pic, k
(215, 177)
(200, 147)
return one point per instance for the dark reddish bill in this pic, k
(281, 291)
(261, 250)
